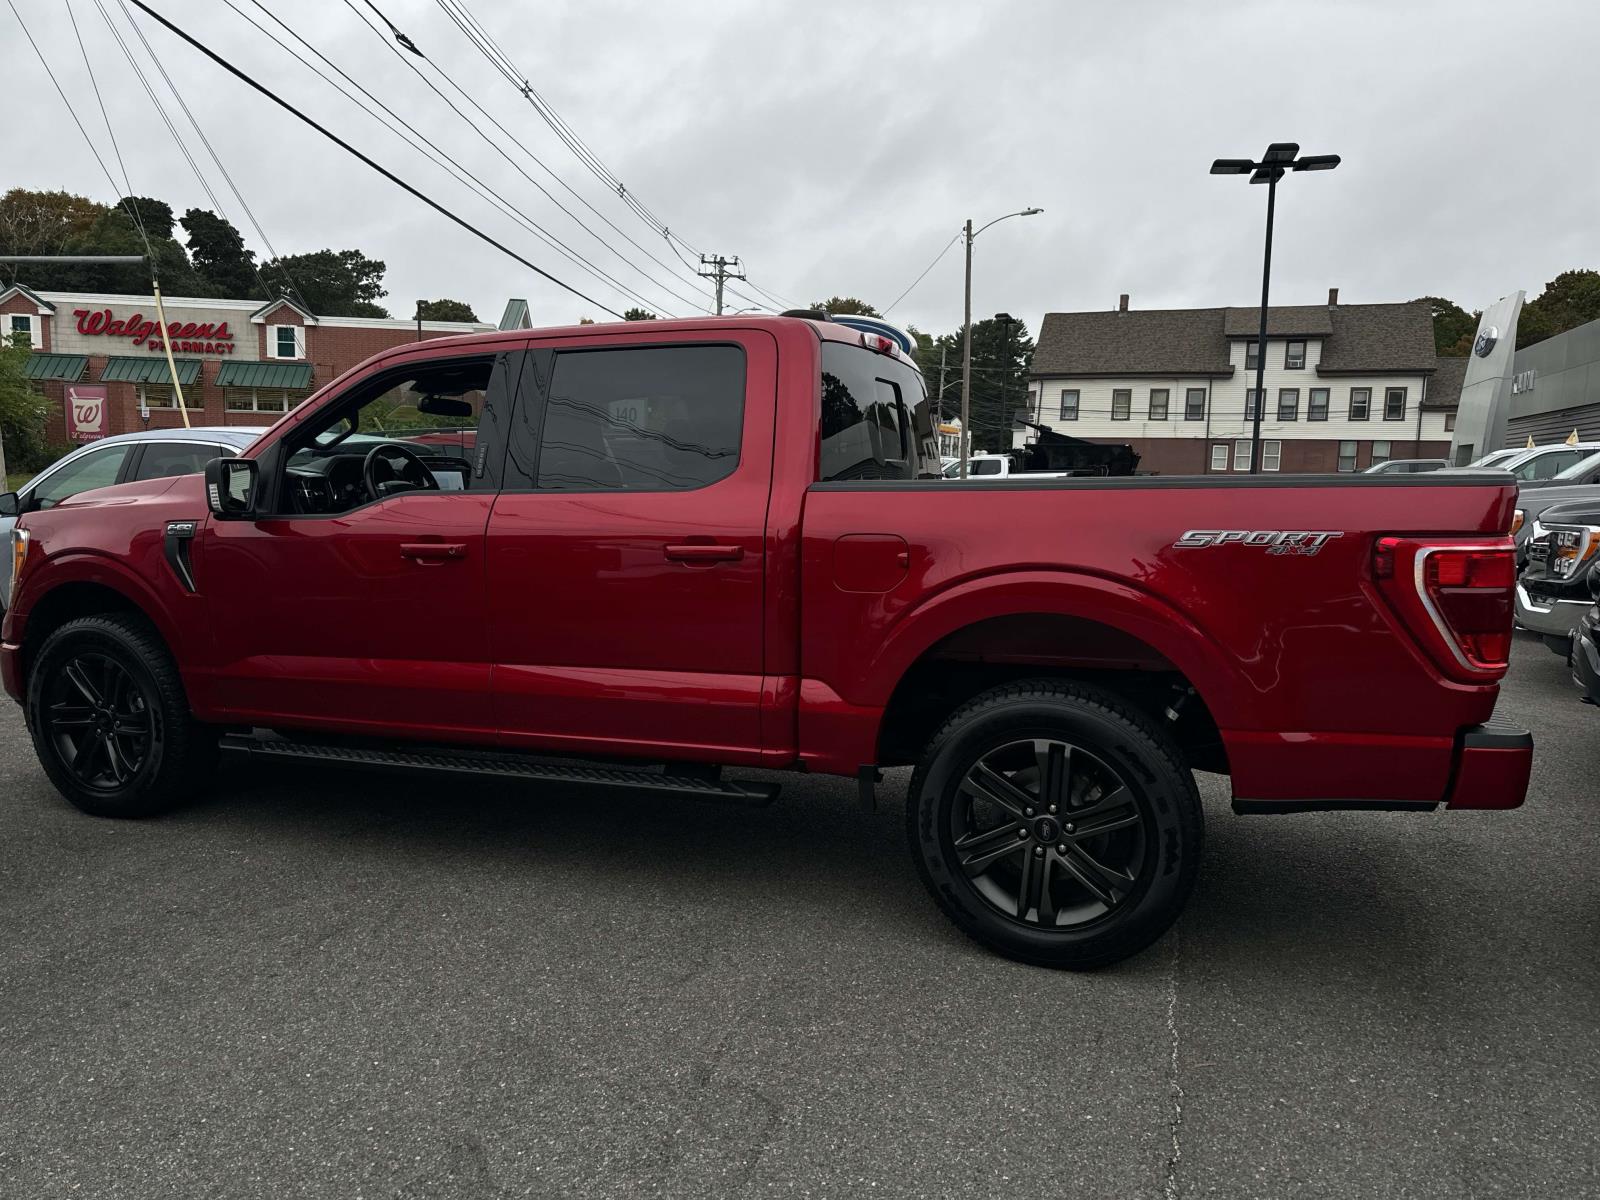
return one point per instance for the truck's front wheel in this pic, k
(110, 721)
(1055, 824)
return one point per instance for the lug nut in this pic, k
(1052, 808)
(1022, 833)
(1061, 849)
(1038, 850)
(1072, 829)
(1027, 812)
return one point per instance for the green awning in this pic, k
(55, 366)
(264, 375)
(149, 370)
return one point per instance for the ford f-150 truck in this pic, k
(661, 552)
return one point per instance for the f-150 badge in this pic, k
(1276, 541)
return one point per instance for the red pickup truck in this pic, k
(657, 552)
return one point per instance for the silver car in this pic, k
(123, 458)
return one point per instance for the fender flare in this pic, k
(1112, 602)
(103, 570)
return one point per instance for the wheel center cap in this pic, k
(1047, 829)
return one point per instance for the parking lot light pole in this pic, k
(1280, 157)
(966, 338)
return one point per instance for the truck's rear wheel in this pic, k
(110, 721)
(1055, 824)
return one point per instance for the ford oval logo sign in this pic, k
(1485, 344)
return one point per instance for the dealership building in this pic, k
(1347, 385)
(102, 358)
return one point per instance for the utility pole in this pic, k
(719, 269)
(944, 351)
(966, 359)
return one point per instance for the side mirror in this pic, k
(10, 505)
(231, 486)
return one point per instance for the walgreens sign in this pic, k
(187, 336)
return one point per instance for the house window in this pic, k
(1394, 404)
(22, 330)
(1317, 405)
(1294, 356)
(1069, 405)
(160, 395)
(263, 400)
(1241, 454)
(1194, 404)
(1449, 422)
(1347, 456)
(285, 341)
(1219, 456)
(1250, 397)
(1288, 404)
(1158, 403)
(1121, 404)
(1381, 452)
(1360, 404)
(1252, 355)
(1271, 455)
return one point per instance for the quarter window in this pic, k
(1288, 404)
(1394, 404)
(1194, 404)
(1069, 405)
(1219, 456)
(1121, 404)
(1294, 356)
(1360, 403)
(1158, 403)
(1271, 455)
(1347, 456)
(1317, 405)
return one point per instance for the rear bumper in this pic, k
(11, 670)
(1493, 762)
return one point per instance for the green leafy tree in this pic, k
(223, 265)
(1571, 299)
(334, 283)
(846, 306)
(1453, 326)
(22, 413)
(445, 310)
(42, 223)
(1002, 354)
(155, 215)
(638, 314)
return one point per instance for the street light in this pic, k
(966, 338)
(1280, 157)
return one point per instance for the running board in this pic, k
(506, 766)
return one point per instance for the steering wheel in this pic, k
(412, 472)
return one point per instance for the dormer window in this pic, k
(1294, 356)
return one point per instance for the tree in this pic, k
(41, 223)
(445, 310)
(22, 412)
(638, 314)
(154, 215)
(846, 306)
(334, 283)
(1453, 326)
(1571, 299)
(223, 265)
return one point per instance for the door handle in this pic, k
(701, 552)
(432, 551)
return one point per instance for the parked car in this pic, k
(667, 561)
(1406, 466)
(1585, 657)
(986, 465)
(1491, 461)
(148, 454)
(1580, 481)
(1553, 590)
(1537, 462)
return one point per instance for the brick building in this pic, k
(239, 362)
(1347, 385)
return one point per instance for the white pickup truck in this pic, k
(986, 465)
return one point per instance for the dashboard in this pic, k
(331, 482)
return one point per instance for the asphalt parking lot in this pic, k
(346, 985)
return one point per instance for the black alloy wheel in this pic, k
(99, 720)
(1048, 833)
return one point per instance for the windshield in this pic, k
(1581, 468)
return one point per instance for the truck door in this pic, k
(625, 551)
(355, 600)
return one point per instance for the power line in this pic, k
(346, 146)
(105, 15)
(500, 150)
(427, 147)
(925, 271)
(127, 182)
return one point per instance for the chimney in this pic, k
(1122, 302)
(1333, 297)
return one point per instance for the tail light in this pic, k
(1570, 547)
(1456, 598)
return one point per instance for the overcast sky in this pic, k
(836, 148)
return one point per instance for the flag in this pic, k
(1572, 438)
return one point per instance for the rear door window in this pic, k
(161, 460)
(97, 469)
(876, 422)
